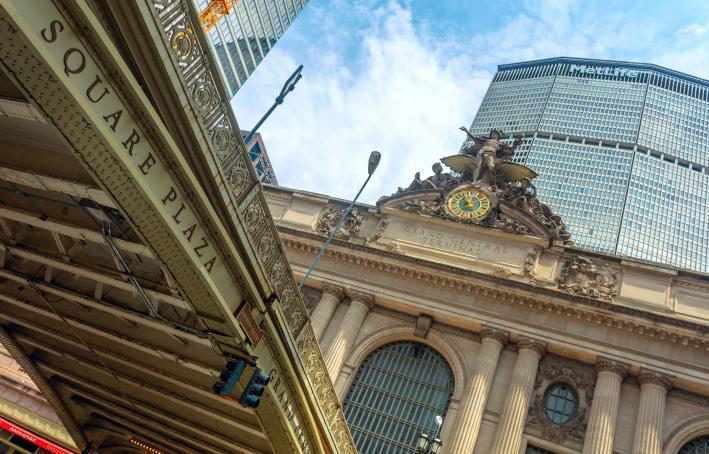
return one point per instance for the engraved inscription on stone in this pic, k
(460, 244)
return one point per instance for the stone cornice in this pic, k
(496, 335)
(648, 377)
(334, 290)
(532, 344)
(538, 298)
(615, 367)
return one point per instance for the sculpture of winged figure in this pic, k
(487, 162)
(488, 153)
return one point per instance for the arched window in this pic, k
(699, 445)
(397, 393)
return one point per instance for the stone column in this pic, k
(651, 412)
(347, 333)
(477, 390)
(331, 297)
(604, 408)
(508, 434)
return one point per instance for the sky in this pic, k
(400, 76)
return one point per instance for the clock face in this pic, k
(469, 203)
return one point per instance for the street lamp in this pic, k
(372, 163)
(428, 445)
(288, 87)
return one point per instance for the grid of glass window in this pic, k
(697, 446)
(676, 124)
(560, 402)
(594, 108)
(666, 219)
(395, 396)
(585, 184)
(528, 97)
(624, 159)
(242, 38)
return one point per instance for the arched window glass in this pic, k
(396, 394)
(560, 401)
(697, 446)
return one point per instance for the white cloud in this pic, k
(694, 29)
(407, 99)
(403, 90)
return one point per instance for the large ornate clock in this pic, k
(468, 203)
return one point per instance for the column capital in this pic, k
(334, 290)
(536, 346)
(366, 299)
(495, 334)
(608, 365)
(648, 377)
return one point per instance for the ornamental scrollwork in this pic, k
(349, 228)
(581, 377)
(583, 276)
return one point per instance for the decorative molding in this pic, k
(378, 233)
(325, 393)
(365, 299)
(208, 99)
(423, 326)
(648, 377)
(581, 377)
(585, 277)
(609, 365)
(334, 290)
(502, 272)
(330, 218)
(534, 345)
(537, 298)
(530, 268)
(502, 337)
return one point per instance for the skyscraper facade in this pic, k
(259, 158)
(622, 149)
(243, 37)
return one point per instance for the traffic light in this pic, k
(254, 390)
(230, 375)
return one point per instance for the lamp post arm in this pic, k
(332, 234)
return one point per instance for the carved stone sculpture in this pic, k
(495, 192)
(329, 219)
(581, 377)
(585, 277)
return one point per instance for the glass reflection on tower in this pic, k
(622, 150)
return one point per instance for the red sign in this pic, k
(249, 325)
(39, 441)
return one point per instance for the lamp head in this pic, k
(374, 158)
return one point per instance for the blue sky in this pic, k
(401, 76)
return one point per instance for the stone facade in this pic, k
(513, 315)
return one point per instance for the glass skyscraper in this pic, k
(622, 150)
(242, 38)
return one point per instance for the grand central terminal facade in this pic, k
(519, 341)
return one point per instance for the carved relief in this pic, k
(378, 233)
(585, 277)
(329, 219)
(581, 377)
(530, 268)
(502, 272)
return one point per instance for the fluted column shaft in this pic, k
(347, 333)
(600, 431)
(508, 435)
(472, 407)
(651, 413)
(331, 297)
